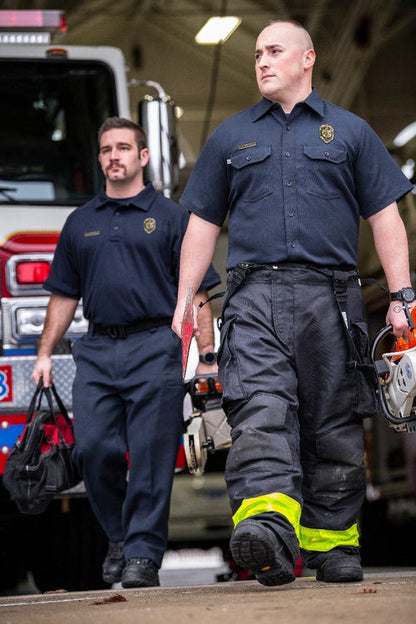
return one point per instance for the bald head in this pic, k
(284, 62)
(304, 39)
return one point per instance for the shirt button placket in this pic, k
(115, 226)
(289, 187)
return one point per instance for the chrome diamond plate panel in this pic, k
(23, 387)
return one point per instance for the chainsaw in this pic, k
(396, 376)
(207, 429)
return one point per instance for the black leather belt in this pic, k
(122, 331)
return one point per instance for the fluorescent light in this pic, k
(217, 30)
(405, 135)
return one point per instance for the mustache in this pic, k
(118, 165)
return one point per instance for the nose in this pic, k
(263, 61)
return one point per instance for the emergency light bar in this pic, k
(30, 26)
(33, 20)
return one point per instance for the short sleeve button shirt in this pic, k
(294, 185)
(122, 258)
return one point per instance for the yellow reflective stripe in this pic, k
(323, 540)
(276, 501)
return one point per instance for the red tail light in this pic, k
(32, 272)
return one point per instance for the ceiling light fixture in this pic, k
(217, 30)
(405, 135)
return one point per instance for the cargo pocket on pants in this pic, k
(363, 372)
(228, 369)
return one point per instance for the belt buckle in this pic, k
(116, 331)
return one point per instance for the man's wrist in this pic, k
(406, 295)
(209, 357)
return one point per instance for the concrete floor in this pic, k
(383, 597)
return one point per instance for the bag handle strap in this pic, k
(47, 392)
(59, 402)
(37, 395)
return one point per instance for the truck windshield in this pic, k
(50, 111)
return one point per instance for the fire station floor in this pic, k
(383, 597)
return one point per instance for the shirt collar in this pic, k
(263, 107)
(142, 200)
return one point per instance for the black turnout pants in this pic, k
(293, 405)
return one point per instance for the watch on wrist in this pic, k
(210, 357)
(406, 294)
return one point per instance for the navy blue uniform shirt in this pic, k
(122, 258)
(295, 185)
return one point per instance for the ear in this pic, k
(144, 157)
(309, 58)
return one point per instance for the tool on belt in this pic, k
(396, 373)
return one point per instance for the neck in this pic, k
(122, 190)
(289, 103)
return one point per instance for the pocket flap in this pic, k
(325, 152)
(250, 155)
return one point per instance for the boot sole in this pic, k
(253, 549)
(341, 576)
(139, 583)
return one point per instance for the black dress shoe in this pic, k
(255, 547)
(114, 563)
(140, 573)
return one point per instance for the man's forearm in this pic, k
(59, 315)
(196, 255)
(391, 244)
(206, 338)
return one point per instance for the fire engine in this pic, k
(53, 99)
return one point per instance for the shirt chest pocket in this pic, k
(250, 172)
(325, 170)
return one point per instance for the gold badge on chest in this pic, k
(149, 225)
(326, 133)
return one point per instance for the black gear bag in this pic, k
(40, 464)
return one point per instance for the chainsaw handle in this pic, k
(381, 334)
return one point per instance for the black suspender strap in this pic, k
(340, 282)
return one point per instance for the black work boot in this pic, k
(340, 567)
(114, 563)
(140, 573)
(258, 548)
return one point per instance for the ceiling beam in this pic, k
(346, 62)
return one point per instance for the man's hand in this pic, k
(206, 369)
(178, 318)
(396, 316)
(43, 368)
